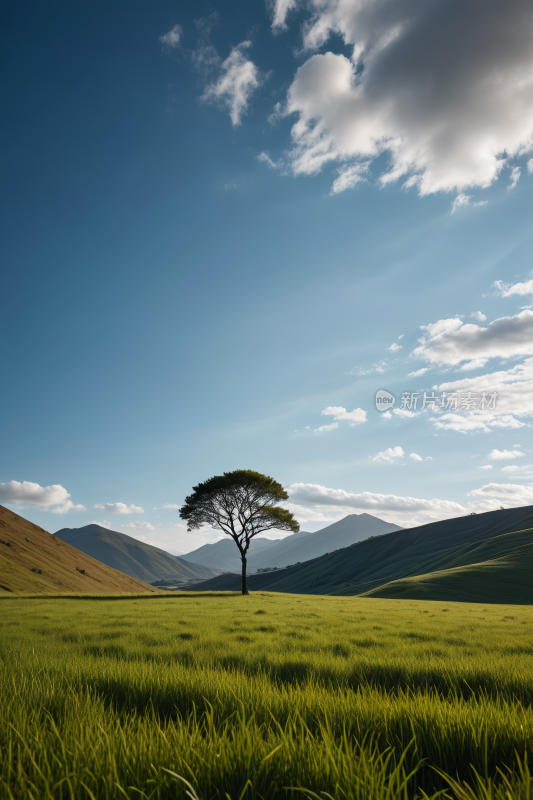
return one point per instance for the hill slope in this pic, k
(225, 555)
(300, 546)
(305, 546)
(501, 566)
(34, 561)
(135, 558)
(419, 562)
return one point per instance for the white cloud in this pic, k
(305, 514)
(456, 422)
(139, 526)
(514, 388)
(445, 124)
(509, 289)
(338, 412)
(172, 39)
(486, 466)
(120, 508)
(325, 428)
(174, 506)
(515, 494)
(68, 505)
(517, 467)
(477, 315)
(530, 166)
(477, 363)
(265, 159)
(418, 372)
(450, 342)
(238, 79)
(378, 366)
(461, 200)
(389, 454)
(28, 492)
(404, 412)
(505, 455)
(401, 336)
(506, 421)
(480, 203)
(103, 523)
(386, 415)
(415, 457)
(408, 510)
(394, 347)
(349, 177)
(515, 177)
(36, 495)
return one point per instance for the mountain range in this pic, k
(484, 558)
(135, 558)
(297, 547)
(36, 562)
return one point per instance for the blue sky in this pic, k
(218, 220)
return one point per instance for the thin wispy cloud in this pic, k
(237, 80)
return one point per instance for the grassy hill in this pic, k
(135, 558)
(36, 562)
(501, 566)
(481, 558)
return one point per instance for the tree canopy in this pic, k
(241, 504)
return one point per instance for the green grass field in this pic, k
(263, 696)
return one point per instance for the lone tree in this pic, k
(241, 504)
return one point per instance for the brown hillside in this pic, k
(33, 561)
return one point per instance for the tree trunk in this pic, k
(244, 586)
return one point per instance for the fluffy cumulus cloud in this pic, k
(54, 498)
(406, 510)
(389, 454)
(138, 526)
(450, 341)
(446, 123)
(511, 493)
(237, 80)
(173, 506)
(120, 508)
(394, 347)
(338, 412)
(514, 389)
(510, 289)
(415, 457)
(505, 455)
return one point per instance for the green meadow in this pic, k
(265, 696)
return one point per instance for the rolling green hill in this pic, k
(481, 558)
